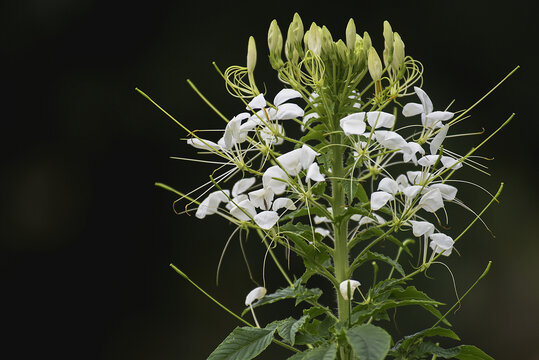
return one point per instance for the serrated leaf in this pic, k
(316, 133)
(404, 345)
(325, 352)
(368, 341)
(244, 343)
(288, 328)
(433, 349)
(470, 352)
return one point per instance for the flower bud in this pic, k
(251, 55)
(313, 39)
(348, 284)
(294, 38)
(367, 43)
(255, 294)
(375, 65)
(351, 34)
(388, 42)
(327, 40)
(398, 52)
(275, 45)
(342, 51)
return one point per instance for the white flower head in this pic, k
(255, 294)
(211, 203)
(313, 173)
(348, 284)
(420, 228)
(266, 219)
(353, 124)
(441, 243)
(432, 200)
(379, 199)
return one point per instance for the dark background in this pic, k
(86, 237)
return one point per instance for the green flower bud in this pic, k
(388, 42)
(375, 65)
(398, 53)
(275, 45)
(327, 40)
(313, 39)
(251, 55)
(367, 43)
(351, 34)
(294, 37)
(342, 51)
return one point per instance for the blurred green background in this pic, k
(87, 238)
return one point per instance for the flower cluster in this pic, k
(367, 167)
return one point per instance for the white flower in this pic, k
(308, 117)
(353, 124)
(210, 204)
(255, 294)
(262, 198)
(291, 161)
(379, 199)
(322, 231)
(284, 95)
(429, 118)
(448, 192)
(244, 211)
(258, 102)
(313, 173)
(348, 284)
(242, 185)
(203, 144)
(275, 179)
(283, 202)
(432, 200)
(379, 119)
(417, 177)
(437, 141)
(266, 219)
(449, 162)
(389, 186)
(441, 243)
(411, 191)
(274, 135)
(288, 112)
(420, 228)
(390, 139)
(428, 160)
(409, 151)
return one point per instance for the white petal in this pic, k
(320, 219)
(449, 162)
(245, 211)
(389, 186)
(353, 124)
(211, 203)
(441, 243)
(409, 151)
(255, 294)
(273, 136)
(289, 111)
(448, 192)
(203, 144)
(236, 200)
(348, 284)
(261, 198)
(379, 199)
(258, 102)
(308, 117)
(411, 191)
(366, 220)
(266, 219)
(284, 95)
(380, 119)
(307, 156)
(322, 231)
(438, 140)
(242, 185)
(417, 177)
(275, 179)
(402, 181)
(432, 200)
(428, 160)
(420, 228)
(425, 100)
(291, 161)
(412, 109)
(314, 174)
(389, 139)
(283, 202)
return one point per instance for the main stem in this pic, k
(340, 225)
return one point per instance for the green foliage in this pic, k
(369, 342)
(243, 343)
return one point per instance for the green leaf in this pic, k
(298, 292)
(326, 352)
(470, 352)
(433, 349)
(317, 133)
(244, 343)
(369, 342)
(369, 256)
(289, 327)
